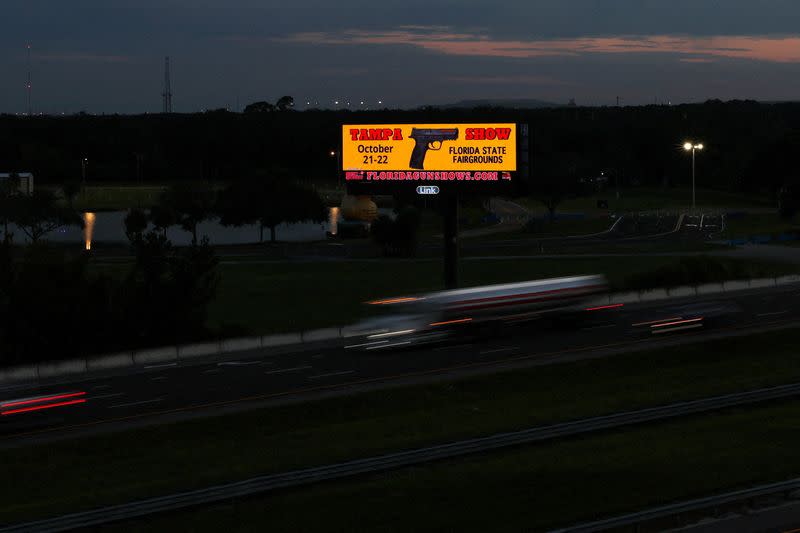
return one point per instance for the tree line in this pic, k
(639, 145)
(263, 201)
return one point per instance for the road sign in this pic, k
(469, 157)
(427, 189)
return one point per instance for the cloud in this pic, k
(444, 40)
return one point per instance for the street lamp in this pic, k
(84, 162)
(692, 147)
(337, 154)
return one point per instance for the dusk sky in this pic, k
(106, 56)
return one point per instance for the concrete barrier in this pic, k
(710, 288)
(321, 334)
(762, 282)
(62, 368)
(242, 343)
(188, 351)
(677, 292)
(119, 360)
(625, 298)
(594, 302)
(655, 294)
(351, 331)
(736, 285)
(281, 340)
(19, 373)
(787, 279)
(156, 355)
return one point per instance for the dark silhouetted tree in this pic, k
(269, 203)
(135, 224)
(71, 189)
(9, 188)
(38, 214)
(163, 217)
(259, 107)
(192, 203)
(284, 103)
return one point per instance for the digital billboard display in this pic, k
(382, 157)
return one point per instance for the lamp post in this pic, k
(690, 146)
(337, 154)
(84, 162)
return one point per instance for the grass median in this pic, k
(60, 477)
(533, 488)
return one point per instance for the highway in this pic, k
(168, 392)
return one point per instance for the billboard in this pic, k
(381, 157)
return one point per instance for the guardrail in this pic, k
(186, 352)
(392, 461)
(163, 354)
(698, 504)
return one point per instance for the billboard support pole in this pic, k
(451, 240)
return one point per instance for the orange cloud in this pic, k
(440, 39)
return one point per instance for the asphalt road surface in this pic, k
(167, 392)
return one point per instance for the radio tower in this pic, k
(167, 88)
(28, 86)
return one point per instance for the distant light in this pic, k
(336, 102)
(362, 102)
(687, 146)
(699, 146)
(380, 102)
(333, 153)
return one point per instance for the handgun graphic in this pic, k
(424, 139)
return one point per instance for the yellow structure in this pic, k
(359, 208)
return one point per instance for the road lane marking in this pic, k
(500, 350)
(135, 403)
(657, 321)
(238, 363)
(679, 328)
(365, 344)
(158, 378)
(773, 314)
(379, 346)
(332, 374)
(293, 369)
(115, 395)
(161, 366)
(212, 371)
